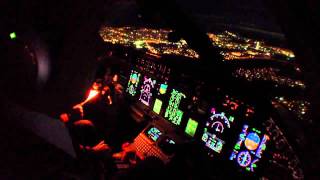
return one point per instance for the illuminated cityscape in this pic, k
(299, 107)
(154, 40)
(283, 155)
(268, 74)
(236, 47)
(233, 46)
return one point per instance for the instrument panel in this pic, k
(228, 128)
(224, 126)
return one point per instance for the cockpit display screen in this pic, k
(147, 90)
(215, 127)
(153, 133)
(191, 127)
(249, 148)
(173, 113)
(133, 83)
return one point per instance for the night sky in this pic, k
(242, 14)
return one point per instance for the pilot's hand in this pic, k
(126, 149)
(101, 147)
(128, 153)
(129, 148)
(79, 107)
(118, 88)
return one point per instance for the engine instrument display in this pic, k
(214, 129)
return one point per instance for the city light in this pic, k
(13, 35)
(155, 41)
(268, 74)
(299, 107)
(233, 46)
(139, 44)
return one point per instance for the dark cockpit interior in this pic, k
(170, 89)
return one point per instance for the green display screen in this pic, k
(157, 106)
(173, 113)
(191, 127)
(13, 35)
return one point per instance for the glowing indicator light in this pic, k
(217, 146)
(234, 106)
(163, 88)
(233, 155)
(255, 130)
(231, 104)
(205, 137)
(13, 35)
(237, 147)
(134, 78)
(231, 118)
(249, 112)
(157, 106)
(244, 159)
(191, 127)
(262, 146)
(253, 165)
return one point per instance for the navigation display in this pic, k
(249, 148)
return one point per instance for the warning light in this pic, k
(13, 35)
